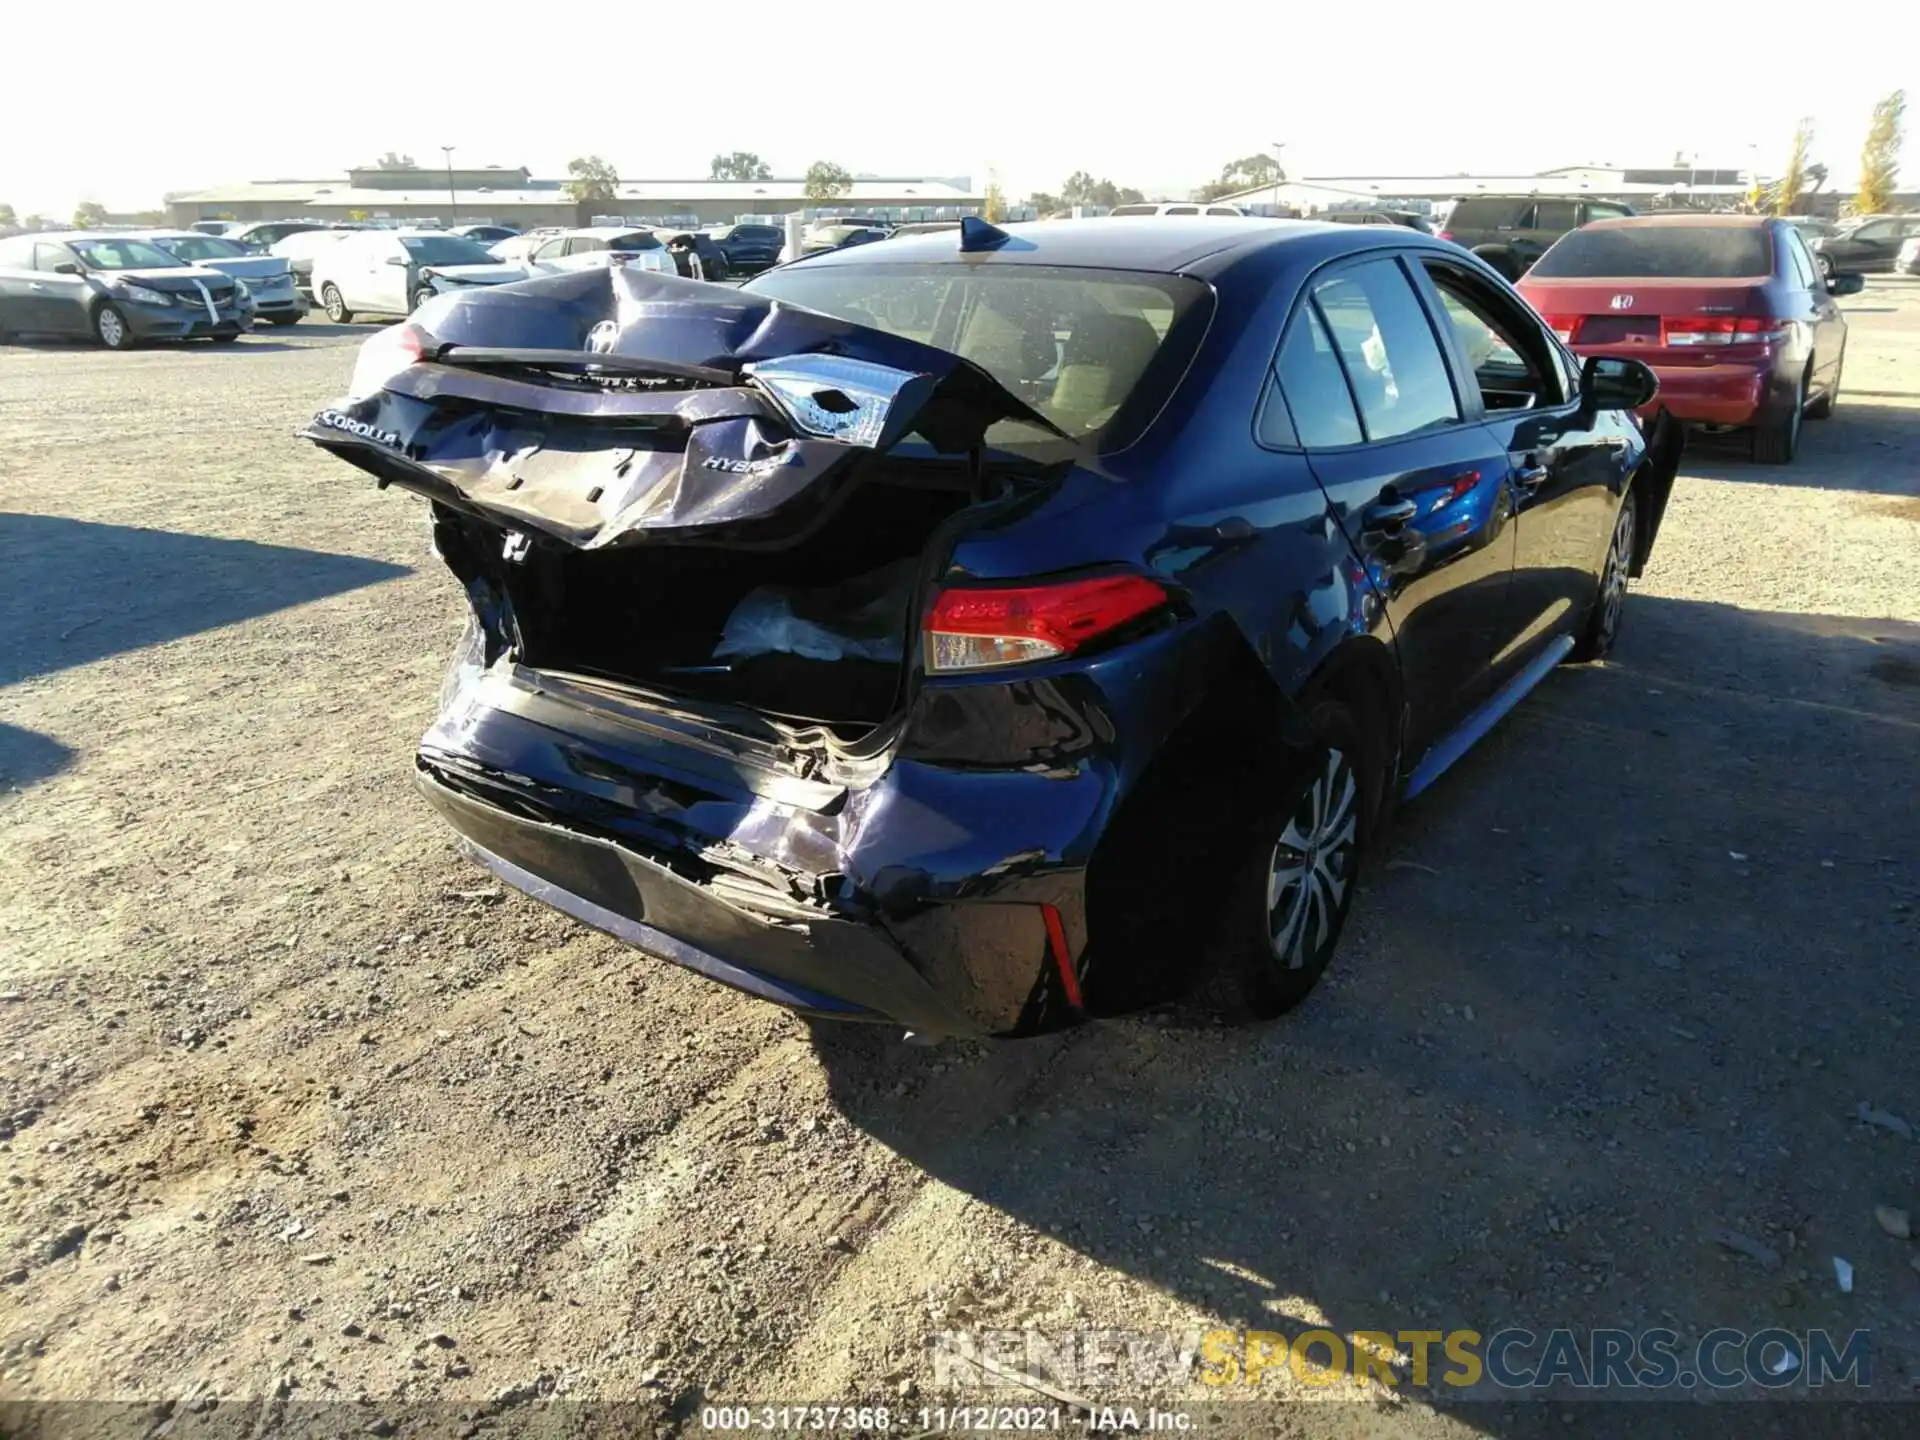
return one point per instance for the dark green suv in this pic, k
(1510, 232)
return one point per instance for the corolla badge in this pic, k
(601, 337)
(1622, 302)
(334, 420)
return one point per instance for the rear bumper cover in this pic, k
(827, 967)
(1730, 394)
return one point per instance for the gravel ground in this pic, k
(296, 1105)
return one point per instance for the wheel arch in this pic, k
(1150, 881)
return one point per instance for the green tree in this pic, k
(995, 208)
(740, 165)
(1080, 188)
(826, 181)
(592, 178)
(1794, 179)
(7, 216)
(1249, 172)
(1043, 204)
(1880, 156)
(89, 213)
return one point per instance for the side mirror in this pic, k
(1616, 384)
(67, 267)
(1847, 282)
(396, 260)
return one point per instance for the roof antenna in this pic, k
(977, 234)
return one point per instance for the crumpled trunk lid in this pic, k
(614, 406)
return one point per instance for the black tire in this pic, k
(335, 307)
(293, 319)
(1777, 441)
(720, 271)
(1826, 265)
(110, 327)
(1610, 597)
(222, 339)
(1822, 409)
(1274, 937)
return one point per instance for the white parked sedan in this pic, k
(389, 272)
(600, 245)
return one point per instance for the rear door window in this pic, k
(1318, 412)
(1388, 350)
(1804, 270)
(1556, 215)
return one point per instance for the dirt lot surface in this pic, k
(299, 1106)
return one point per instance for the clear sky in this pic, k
(139, 100)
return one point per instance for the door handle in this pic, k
(35, 285)
(1530, 473)
(1387, 515)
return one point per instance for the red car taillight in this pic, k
(1446, 234)
(987, 626)
(1723, 330)
(1565, 326)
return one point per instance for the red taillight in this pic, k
(1723, 330)
(982, 627)
(1565, 326)
(1446, 234)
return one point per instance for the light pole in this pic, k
(453, 203)
(1279, 175)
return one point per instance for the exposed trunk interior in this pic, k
(657, 615)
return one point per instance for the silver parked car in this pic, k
(275, 297)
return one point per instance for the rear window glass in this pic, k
(1135, 210)
(1079, 346)
(444, 250)
(1682, 252)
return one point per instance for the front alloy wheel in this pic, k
(1604, 624)
(111, 328)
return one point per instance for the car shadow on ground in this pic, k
(1622, 977)
(1864, 446)
(75, 591)
(28, 757)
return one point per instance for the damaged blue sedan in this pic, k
(993, 629)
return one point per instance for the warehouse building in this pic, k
(500, 196)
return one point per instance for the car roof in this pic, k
(1172, 244)
(609, 230)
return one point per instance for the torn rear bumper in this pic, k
(823, 966)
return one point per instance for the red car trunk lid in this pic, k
(1653, 313)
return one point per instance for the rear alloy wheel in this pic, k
(1777, 441)
(421, 296)
(1288, 902)
(111, 329)
(335, 307)
(1603, 625)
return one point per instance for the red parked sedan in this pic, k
(1730, 311)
